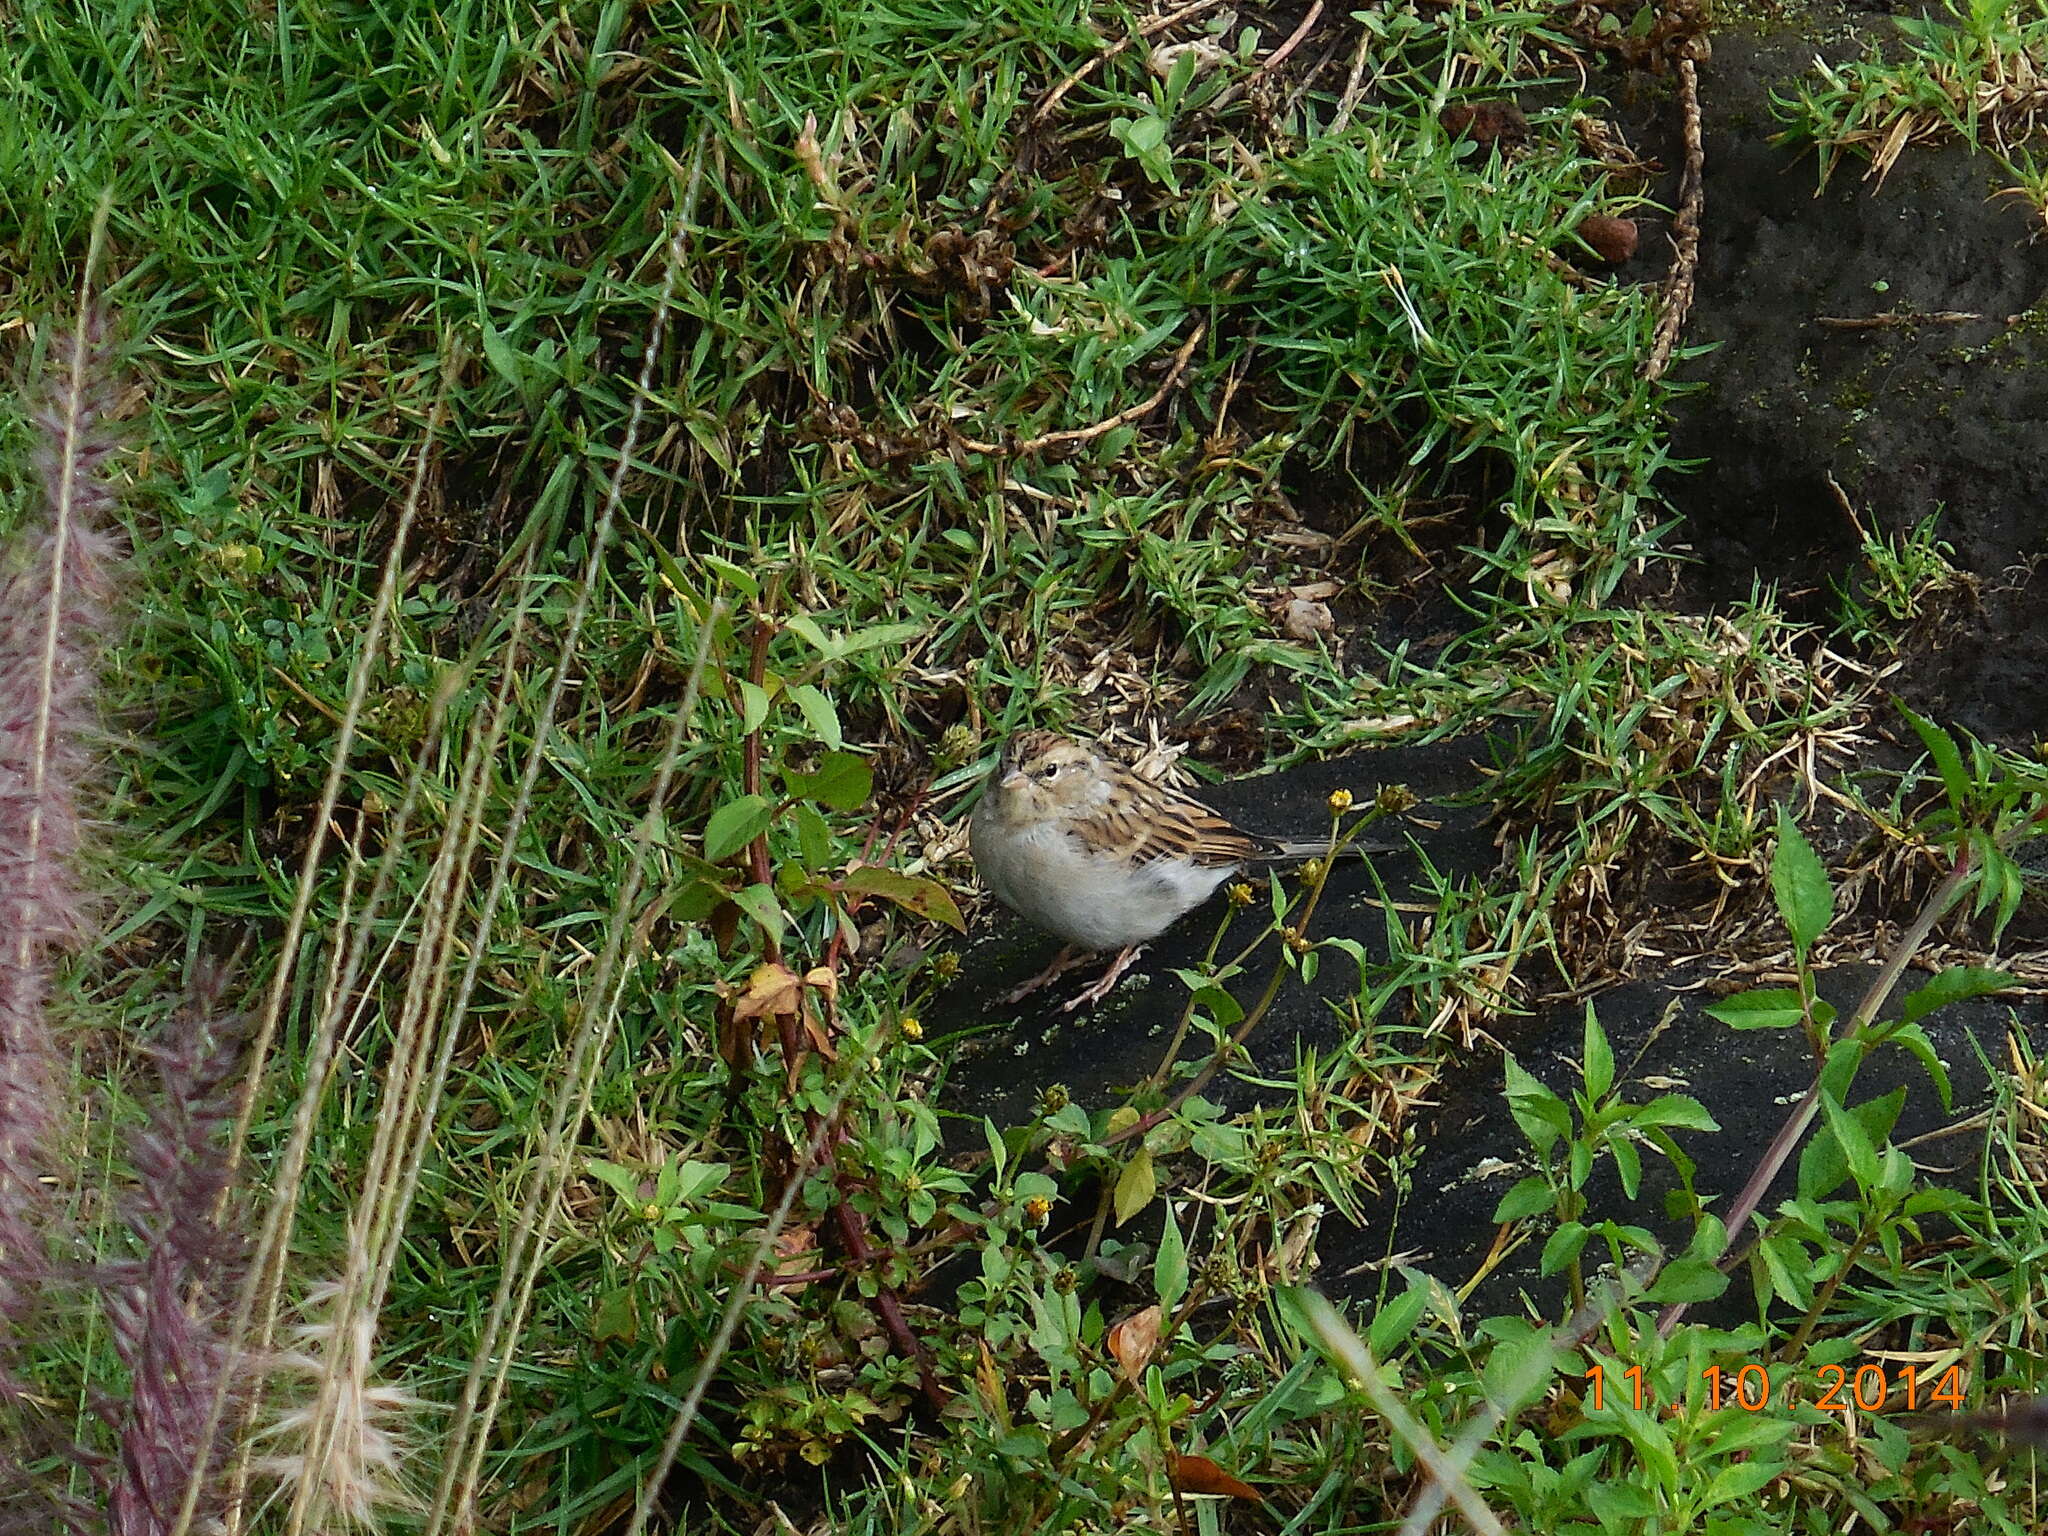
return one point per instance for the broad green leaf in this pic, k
(1619, 1503)
(1598, 1059)
(1762, 1008)
(1395, 1321)
(843, 782)
(1628, 1165)
(813, 837)
(1529, 1197)
(1135, 1186)
(754, 703)
(1844, 1059)
(1170, 1265)
(758, 902)
(818, 713)
(1785, 1262)
(737, 577)
(1519, 1367)
(1823, 1163)
(694, 1180)
(927, 898)
(998, 1149)
(503, 357)
(1688, 1279)
(1709, 1238)
(1800, 885)
(1739, 1479)
(1913, 1038)
(1948, 759)
(1541, 1114)
(1853, 1140)
(1952, 986)
(879, 634)
(1677, 1109)
(1564, 1245)
(736, 824)
(623, 1181)
(802, 627)
(835, 646)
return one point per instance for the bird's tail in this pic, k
(1279, 850)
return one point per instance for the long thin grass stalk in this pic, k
(265, 1277)
(469, 1432)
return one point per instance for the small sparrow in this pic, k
(1100, 857)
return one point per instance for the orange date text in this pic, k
(1755, 1387)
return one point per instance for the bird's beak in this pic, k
(1013, 778)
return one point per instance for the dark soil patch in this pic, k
(1908, 419)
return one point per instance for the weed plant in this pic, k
(601, 483)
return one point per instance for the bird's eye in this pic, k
(1052, 770)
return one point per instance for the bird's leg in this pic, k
(1069, 956)
(1100, 990)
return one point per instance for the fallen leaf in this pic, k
(772, 991)
(1614, 240)
(1135, 1186)
(1162, 59)
(1133, 1340)
(796, 1252)
(927, 898)
(1301, 620)
(823, 978)
(1486, 122)
(1198, 1474)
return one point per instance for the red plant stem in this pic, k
(853, 1234)
(852, 1227)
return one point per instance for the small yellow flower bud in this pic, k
(956, 744)
(650, 1212)
(1296, 940)
(1340, 801)
(1395, 798)
(1241, 894)
(945, 965)
(1312, 870)
(1036, 1209)
(1053, 1098)
(910, 1029)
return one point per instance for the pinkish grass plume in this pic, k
(169, 1306)
(167, 1303)
(53, 597)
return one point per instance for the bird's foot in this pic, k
(1110, 977)
(1063, 962)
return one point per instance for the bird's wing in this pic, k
(1162, 824)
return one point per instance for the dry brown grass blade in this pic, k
(265, 1272)
(466, 1437)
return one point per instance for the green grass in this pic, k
(892, 490)
(1971, 71)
